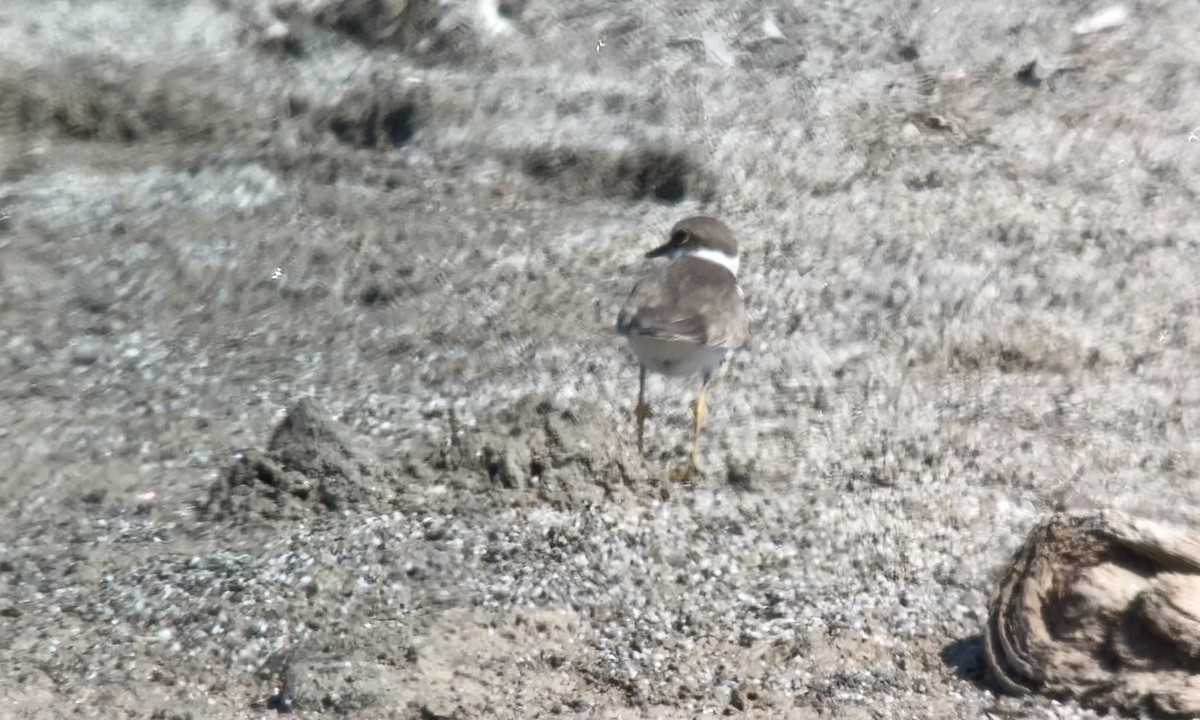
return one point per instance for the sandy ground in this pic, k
(974, 292)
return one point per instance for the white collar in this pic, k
(729, 262)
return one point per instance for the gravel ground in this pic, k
(970, 256)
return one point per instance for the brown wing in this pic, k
(688, 300)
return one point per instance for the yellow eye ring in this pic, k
(682, 237)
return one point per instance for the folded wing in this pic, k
(690, 300)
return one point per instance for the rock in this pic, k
(86, 350)
(326, 679)
(1104, 609)
(450, 30)
(1039, 70)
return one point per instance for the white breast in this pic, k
(676, 358)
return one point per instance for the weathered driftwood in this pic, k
(1102, 608)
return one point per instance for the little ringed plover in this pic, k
(687, 315)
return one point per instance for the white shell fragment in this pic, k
(1107, 19)
(770, 29)
(716, 52)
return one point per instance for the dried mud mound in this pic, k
(1102, 608)
(534, 452)
(544, 452)
(311, 466)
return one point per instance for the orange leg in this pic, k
(701, 413)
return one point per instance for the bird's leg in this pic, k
(701, 412)
(642, 410)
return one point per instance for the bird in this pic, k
(684, 317)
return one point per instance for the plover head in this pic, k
(701, 237)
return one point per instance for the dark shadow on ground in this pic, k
(966, 657)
